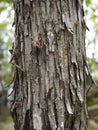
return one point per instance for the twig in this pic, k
(18, 66)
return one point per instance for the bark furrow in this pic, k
(49, 48)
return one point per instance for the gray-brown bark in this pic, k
(50, 67)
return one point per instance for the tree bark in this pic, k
(50, 68)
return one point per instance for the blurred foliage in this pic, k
(9, 118)
(88, 2)
(93, 125)
(92, 101)
(92, 128)
(6, 38)
(2, 126)
(5, 115)
(6, 1)
(91, 12)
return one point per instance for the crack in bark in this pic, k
(50, 46)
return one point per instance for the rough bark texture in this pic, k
(50, 67)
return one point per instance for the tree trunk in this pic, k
(50, 68)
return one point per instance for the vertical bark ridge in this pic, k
(49, 51)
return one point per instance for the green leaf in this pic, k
(88, 2)
(7, 1)
(2, 9)
(3, 25)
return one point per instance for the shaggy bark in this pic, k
(50, 68)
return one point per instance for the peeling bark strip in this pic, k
(49, 46)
